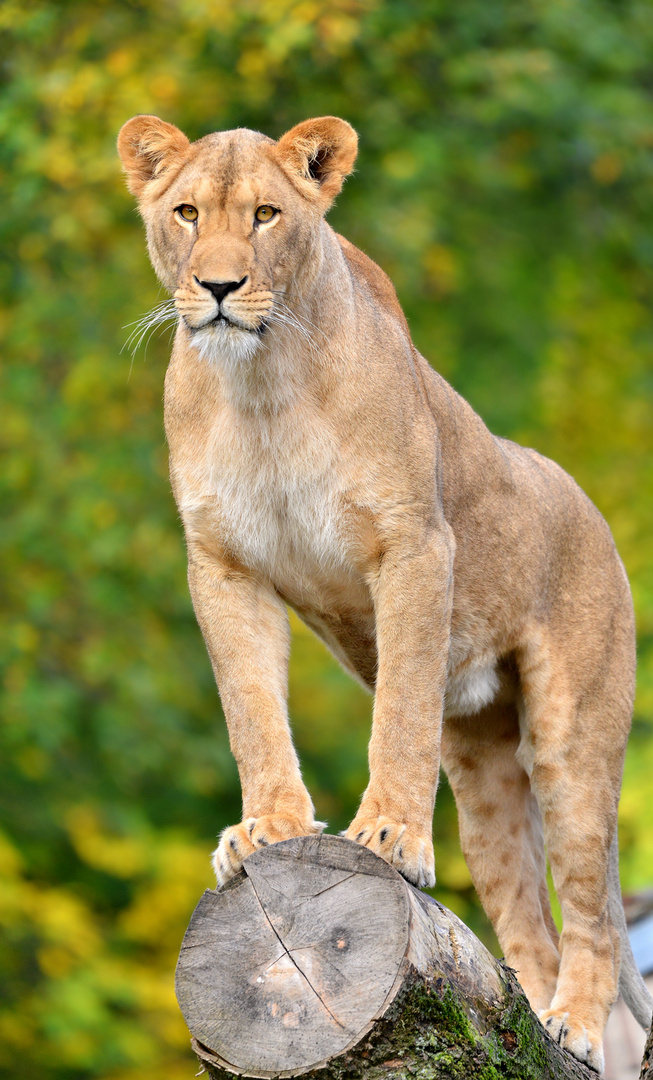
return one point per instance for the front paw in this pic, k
(239, 841)
(410, 852)
(574, 1037)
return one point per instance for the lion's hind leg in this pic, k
(574, 729)
(501, 837)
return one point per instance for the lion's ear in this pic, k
(148, 147)
(317, 155)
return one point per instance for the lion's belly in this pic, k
(472, 688)
(478, 672)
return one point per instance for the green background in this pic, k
(505, 184)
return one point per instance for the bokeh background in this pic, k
(505, 182)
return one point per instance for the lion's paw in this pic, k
(574, 1037)
(409, 852)
(239, 841)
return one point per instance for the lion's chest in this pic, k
(275, 490)
(278, 522)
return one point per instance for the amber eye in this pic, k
(187, 212)
(265, 213)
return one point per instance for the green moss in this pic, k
(429, 1013)
(425, 1035)
(516, 1038)
(429, 1034)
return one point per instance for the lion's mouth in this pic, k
(221, 324)
(217, 320)
(222, 319)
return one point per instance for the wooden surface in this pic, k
(290, 963)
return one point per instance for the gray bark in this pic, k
(319, 956)
(647, 1061)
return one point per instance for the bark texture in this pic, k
(647, 1061)
(320, 958)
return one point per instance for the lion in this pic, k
(318, 461)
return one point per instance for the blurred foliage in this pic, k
(505, 183)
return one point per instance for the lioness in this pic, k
(317, 460)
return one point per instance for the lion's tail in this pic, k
(631, 983)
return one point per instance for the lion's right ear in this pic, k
(148, 147)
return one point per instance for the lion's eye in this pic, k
(265, 213)
(187, 212)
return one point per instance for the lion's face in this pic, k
(231, 219)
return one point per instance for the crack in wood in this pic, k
(314, 896)
(294, 962)
(276, 961)
(325, 963)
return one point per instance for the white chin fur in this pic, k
(225, 344)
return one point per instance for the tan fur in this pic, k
(318, 461)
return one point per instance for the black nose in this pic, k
(221, 288)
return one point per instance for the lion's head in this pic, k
(232, 218)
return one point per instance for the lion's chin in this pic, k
(225, 343)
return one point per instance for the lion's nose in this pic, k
(221, 288)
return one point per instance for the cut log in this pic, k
(319, 955)
(647, 1061)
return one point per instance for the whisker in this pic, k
(288, 320)
(281, 304)
(145, 326)
(137, 334)
(284, 314)
(167, 306)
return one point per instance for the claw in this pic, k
(239, 841)
(408, 850)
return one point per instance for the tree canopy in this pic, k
(505, 184)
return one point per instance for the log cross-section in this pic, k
(290, 963)
(319, 955)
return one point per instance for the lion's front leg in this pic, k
(245, 627)
(413, 598)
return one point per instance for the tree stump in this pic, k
(319, 955)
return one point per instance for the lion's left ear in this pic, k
(317, 155)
